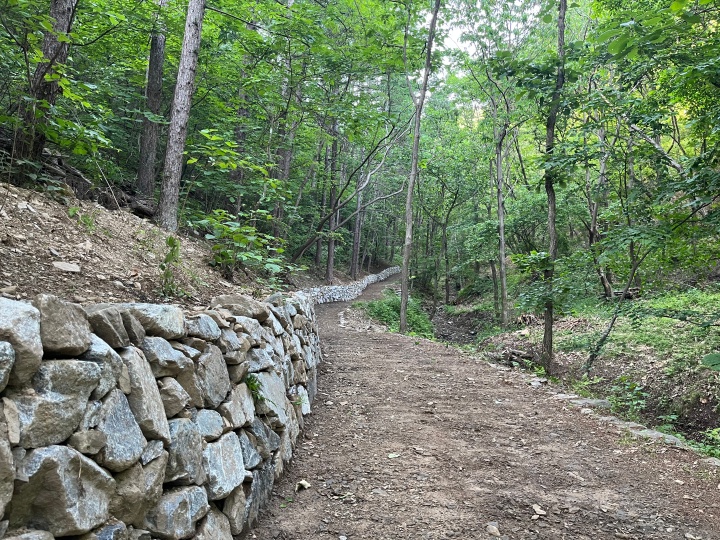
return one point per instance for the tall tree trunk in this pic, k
(329, 272)
(496, 289)
(153, 97)
(446, 255)
(594, 233)
(499, 180)
(43, 87)
(550, 174)
(357, 234)
(177, 131)
(407, 246)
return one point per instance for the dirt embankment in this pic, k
(411, 439)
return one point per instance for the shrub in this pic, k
(387, 311)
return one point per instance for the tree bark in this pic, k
(502, 267)
(407, 246)
(550, 174)
(153, 97)
(44, 89)
(177, 131)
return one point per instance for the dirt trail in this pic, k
(410, 439)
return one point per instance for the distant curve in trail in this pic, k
(410, 439)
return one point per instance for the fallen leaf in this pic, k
(302, 484)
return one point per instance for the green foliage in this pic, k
(239, 244)
(254, 385)
(628, 398)
(387, 311)
(87, 220)
(169, 268)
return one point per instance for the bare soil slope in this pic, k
(410, 439)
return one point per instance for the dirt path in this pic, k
(410, 439)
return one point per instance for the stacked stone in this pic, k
(345, 293)
(137, 421)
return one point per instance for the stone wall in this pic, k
(344, 293)
(140, 421)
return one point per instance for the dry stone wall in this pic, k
(345, 293)
(141, 421)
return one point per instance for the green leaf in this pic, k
(617, 46)
(547, 18)
(712, 361)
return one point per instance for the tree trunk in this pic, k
(329, 273)
(43, 87)
(357, 233)
(407, 246)
(550, 174)
(153, 97)
(504, 310)
(177, 131)
(496, 289)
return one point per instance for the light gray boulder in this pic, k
(259, 360)
(153, 450)
(209, 423)
(214, 526)
(164, 359)
(12, 420)
(110, 363)
(190, 382)
(29, 535)
(234, 509)
(242, 305)
(272, 400)
(66, 493)
(212, 377)
(224, 466)
(128, 501)
(260, 492)
(173, 395)
(7, 360)
(266, 440)
(186, 453)
(176, 513)
(251, 456)
(87, 442)
(64, 328)
(202, 326)
(160, 320)
(188, 350)
(144, 398)
(106, 322)
(239, 409)
(20, 326)
(237, 372)
(7, 465)
(229, 341)
(154, 479)
(274, 324)
(135, 330)
(112, 530)
(125, 441)
(251, 327)
(53, 409)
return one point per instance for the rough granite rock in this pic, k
(239, 409)
(237, 372)
(242, 305)
(251, 457)
(274, 324)
(202, 326)
(164, 359)
(212, 377)
(250, 327)
(176, 513)
(229, 341)
(106, 321)
(234, 510)
(7, 465)
(214, 526)
(160, 320)
(128, 502)
(234, 358)
(173, 395)
(112, 530)
(12, 420)
(64, 328)
(52, 412)
(66, 492)
(260, 360)
(144, 398)
(260, 492)
(20, 326)
(209, 424)
(135, 330)
(224, 466)
(154, 479)
(110, 365)
(272, 394)
(186, 449)
(189, 381)
(266, 440)
(125, 441)
(153, 450)
(29, 535)
(87, 442)
(186, 349)
(7, 359)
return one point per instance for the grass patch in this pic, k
(387, 311)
